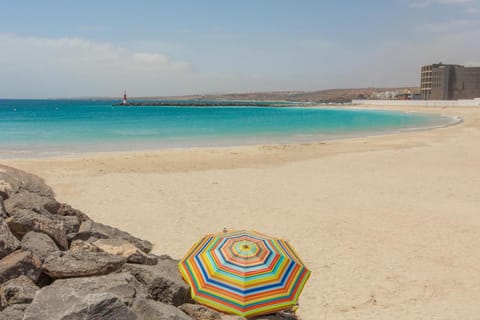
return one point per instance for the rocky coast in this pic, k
(56, 263)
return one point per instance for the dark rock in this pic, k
(29, 212)
(71, 223)
(151, 310)
(163, 281)
(81, 246)
(80, 264)
(3, 192)
(51, 205)
(31, 201)
(7, 185)
(14, 180)
(3, 211)
(20, 263)
(90, 229)
(17, 291)
(71, 237)
(39, 244)
(44, 280)
(120, 247)
(13, 312)
(199, 312)
(8, 242)
(21, 190)
(67, 210)
(281, 315)
(25, 221)
(122, 285)
(151, 260)
(63, 303)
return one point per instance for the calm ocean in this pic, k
(36, 128)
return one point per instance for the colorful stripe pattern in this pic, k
(244, 273)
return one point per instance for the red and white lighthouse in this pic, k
(124, 97)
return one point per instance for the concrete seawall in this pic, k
(420, 103)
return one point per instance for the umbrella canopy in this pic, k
(244, 273)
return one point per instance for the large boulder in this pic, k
(163, 281)
(150, 310)
(13, 312)
(80, 264)
(64, 303)
(20, 263)
(25, 221)
(39, 244)
(199, 312)
(17, 291)
(8, 242)
(90, 229)
(26, 200)
(13, 181)
(120, 247)
(24, 191)
(122, 285)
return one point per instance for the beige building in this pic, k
(449, 82)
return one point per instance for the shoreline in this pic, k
(388, 224)
(272, 141)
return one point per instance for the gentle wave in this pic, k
(51, 128)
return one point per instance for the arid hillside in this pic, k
(330, 95)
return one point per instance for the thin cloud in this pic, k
(427, 3)
(42, 67)
(449, 26)
(79, 52)
(473, 10)
(75, 66)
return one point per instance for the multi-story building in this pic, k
(449, 82)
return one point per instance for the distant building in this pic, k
(407, 96)
(401, 94)
(449, 82)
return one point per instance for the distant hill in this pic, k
(330, 95)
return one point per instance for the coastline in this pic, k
(388, 224)
(88, 149)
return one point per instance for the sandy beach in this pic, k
(389, 225)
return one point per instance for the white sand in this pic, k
(389, 225)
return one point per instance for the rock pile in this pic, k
(56, 263)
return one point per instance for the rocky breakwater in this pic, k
(56, 263)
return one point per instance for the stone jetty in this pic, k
(205, 103)
(56, 263)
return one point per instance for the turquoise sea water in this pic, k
(32, 128)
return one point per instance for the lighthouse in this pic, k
(124, 97)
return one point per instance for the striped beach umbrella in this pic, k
(244, 273)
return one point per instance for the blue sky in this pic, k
(99, 48)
